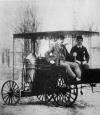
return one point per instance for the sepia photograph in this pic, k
(49, 57)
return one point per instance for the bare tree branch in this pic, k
(28, 23)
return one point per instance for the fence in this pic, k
(7, 58)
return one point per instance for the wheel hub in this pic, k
(11, 93)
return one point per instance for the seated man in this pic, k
(80, 53)
(61, 56)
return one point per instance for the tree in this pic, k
(28, 21)
(91, 26)
(28, 24)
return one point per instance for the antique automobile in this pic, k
(50, 83)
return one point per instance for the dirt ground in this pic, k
(86, 104)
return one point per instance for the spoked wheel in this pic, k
(41, 97)
(71, 94)
(65, 94)
(10, 92)
(50, 91)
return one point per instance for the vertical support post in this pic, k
(3, 61)
(90, 50)
(49, 42)
(6, 51)
(13, 58)
(33, 47)
(8, 58)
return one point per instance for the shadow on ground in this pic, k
(79, 104)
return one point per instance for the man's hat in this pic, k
(79, 37)
(61, 36)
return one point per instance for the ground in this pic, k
(86, 104)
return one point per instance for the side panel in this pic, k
(45, 74)
(91, 76)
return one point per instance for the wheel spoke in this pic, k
(41, 97)
(5, 91)
(71, 97)
(7, 99)
(8, 85)
(13, 97)
(17, 88)
(16, 95)
(5, 95)
(64, 99)
(67, 96)
(13, 85)
(11, 101)
(49, 97)
(72, 93)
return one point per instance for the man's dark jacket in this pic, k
(82, 53)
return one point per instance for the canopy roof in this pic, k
(53, 34)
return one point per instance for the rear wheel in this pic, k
(41, 97)
(65, 94)
(50, 91)
(10, 92)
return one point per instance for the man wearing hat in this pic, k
(61, 56)
(80, 53)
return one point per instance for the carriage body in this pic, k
(44, 72)
(50, 80)
(91, 76)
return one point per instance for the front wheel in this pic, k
(10, 92)
(65, 94)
